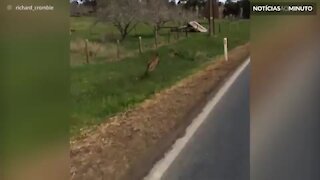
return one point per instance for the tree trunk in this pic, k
(124, 35)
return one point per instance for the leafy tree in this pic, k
(245, 4)
(195, 3)
(231, 8)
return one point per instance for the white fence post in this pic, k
(225, 42)
(140, 45)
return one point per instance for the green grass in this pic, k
(102, 90)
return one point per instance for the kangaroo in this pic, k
(152, 64)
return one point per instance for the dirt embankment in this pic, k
(126, 146)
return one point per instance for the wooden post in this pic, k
(140, 45)
(186, 33)
(211, 21)
(87, 50)
(197, 11)
(169, 36)
(156, 37)
(219, 27)
(118, 49)
(112, 35)
(213, 17)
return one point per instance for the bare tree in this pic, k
(123, 14)
(157, 13)
(183, 16)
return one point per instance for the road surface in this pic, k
(219, 148)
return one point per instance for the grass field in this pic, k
(103, 89)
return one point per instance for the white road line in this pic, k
(161, 166)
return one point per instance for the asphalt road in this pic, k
(219, 149)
